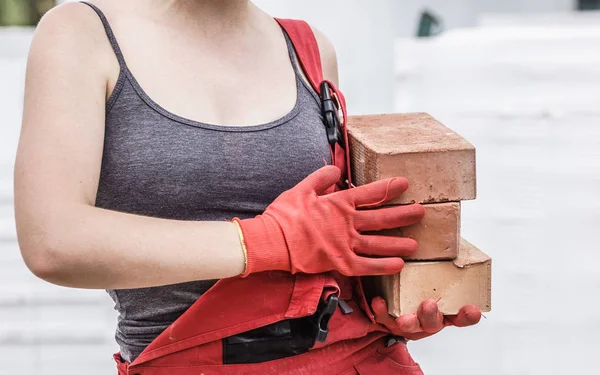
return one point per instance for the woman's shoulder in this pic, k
(328, 56)
(73, 35)
(72, 21)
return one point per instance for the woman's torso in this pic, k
(163, 163)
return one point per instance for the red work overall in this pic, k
(193, 344)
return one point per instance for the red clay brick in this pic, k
(438, 234)
(466, 280)
(438, 162)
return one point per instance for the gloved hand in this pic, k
(426, 322)
(305, 230)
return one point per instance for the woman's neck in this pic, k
(218, 15)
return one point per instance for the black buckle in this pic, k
(329, 109)
(323, 316)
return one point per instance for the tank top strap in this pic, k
(293, 56)
(110, 34)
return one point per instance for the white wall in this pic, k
(527, 98)
(587, 18)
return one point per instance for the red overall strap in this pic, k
(307, 50)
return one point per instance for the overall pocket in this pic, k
(389, 360)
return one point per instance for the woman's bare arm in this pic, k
(63, 238)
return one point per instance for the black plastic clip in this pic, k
(393, 340)
(322, 323)
(329, 110)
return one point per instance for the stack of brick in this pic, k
(440, 167)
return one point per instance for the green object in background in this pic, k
(589, 4)
(429, 25)
(23, 12)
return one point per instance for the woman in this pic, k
(145, 162)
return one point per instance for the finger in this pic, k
(467, 316)
(376, 266)
(430, 317)
(388, 218)
(378, 192)
(380, 310)
(385, 246)
(409, 323)
(321, 180)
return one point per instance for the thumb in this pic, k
(321, 180)
(378, 192)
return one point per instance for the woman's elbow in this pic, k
(42, 255)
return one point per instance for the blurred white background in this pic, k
(519, 79)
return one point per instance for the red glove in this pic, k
(426, 322)
(305, 230)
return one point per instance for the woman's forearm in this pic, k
(88, 247)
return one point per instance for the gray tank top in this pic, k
(158, 164)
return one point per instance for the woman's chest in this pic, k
(156, 166)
